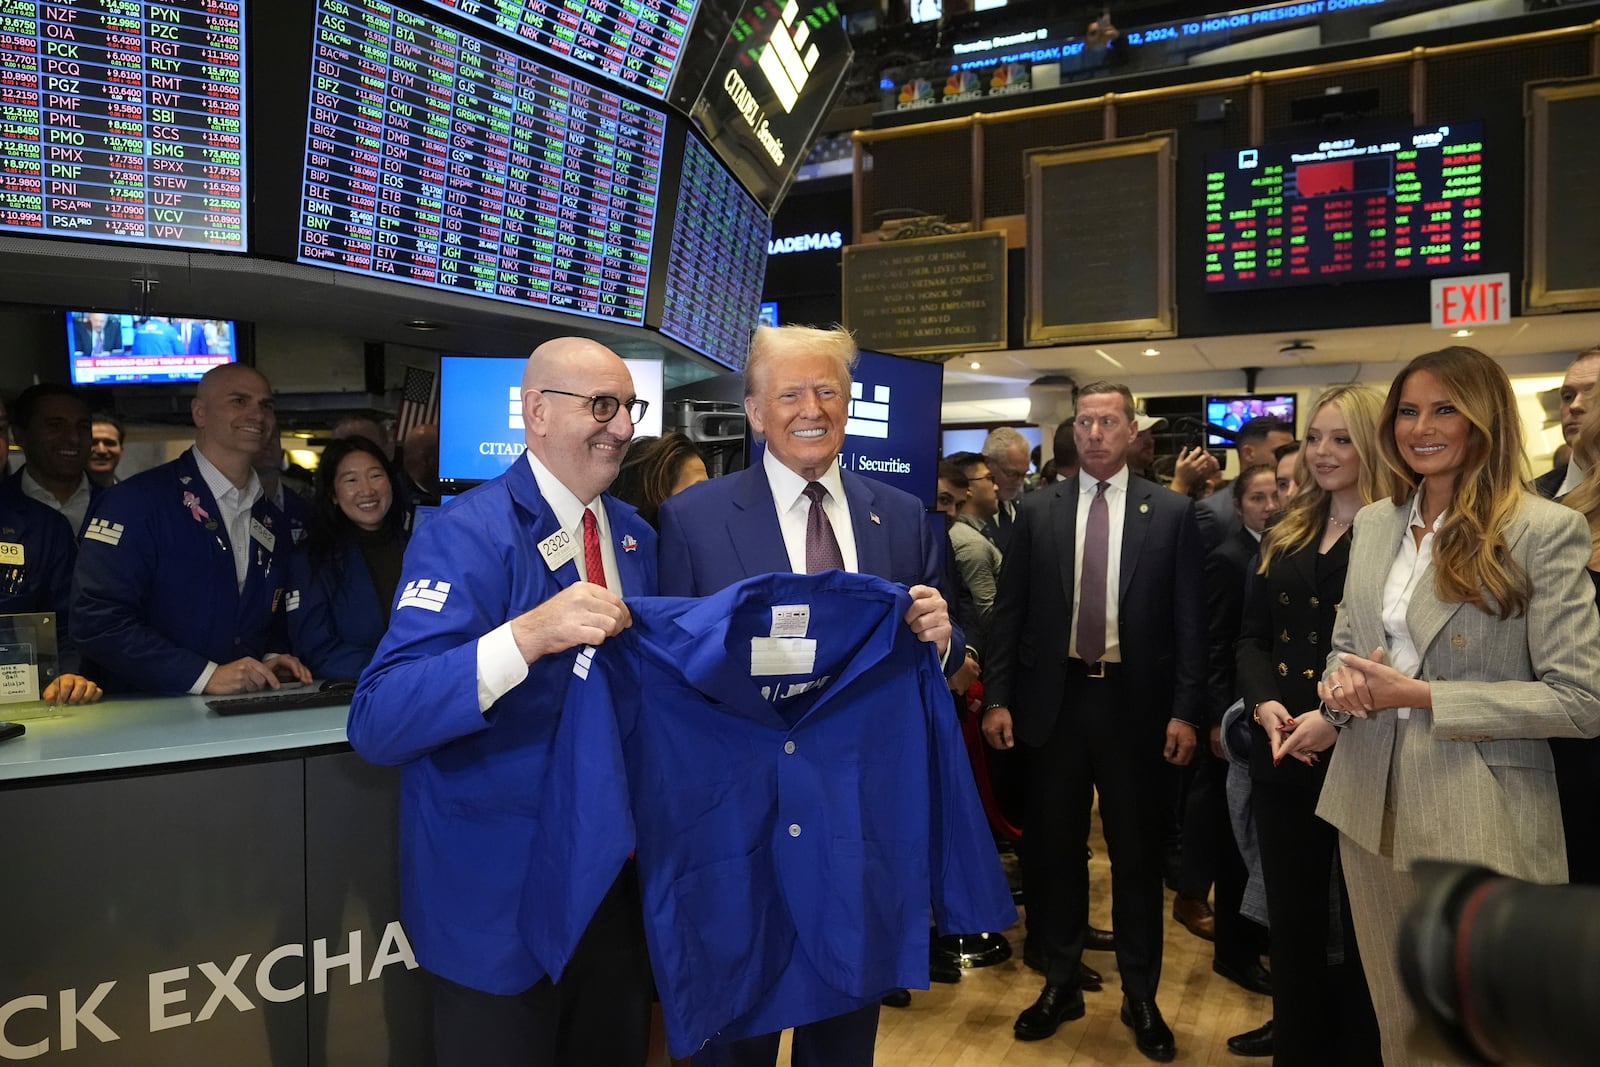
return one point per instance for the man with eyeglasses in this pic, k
(1006, 452)
(500, 593)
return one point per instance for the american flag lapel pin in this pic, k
(628, 543)
(874, 517)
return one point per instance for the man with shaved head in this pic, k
(180, 576)
(500, 593)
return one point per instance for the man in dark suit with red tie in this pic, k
(797, 510)
(1096, 664)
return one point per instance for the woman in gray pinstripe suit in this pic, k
(1467, 636)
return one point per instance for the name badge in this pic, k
(11, 554)
(261, 535)
(558, 549)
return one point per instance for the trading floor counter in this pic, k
(184, 887)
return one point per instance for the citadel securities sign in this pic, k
(62, 1021)
(779, 70)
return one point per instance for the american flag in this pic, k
(419, 402)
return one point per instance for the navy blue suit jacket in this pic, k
(726, 530)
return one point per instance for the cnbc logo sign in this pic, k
(787, 59)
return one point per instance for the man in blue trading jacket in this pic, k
(180, 578)
(797, 511)
(499, 592)
(36, 554)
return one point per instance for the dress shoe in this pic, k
(947, 972)
(1089, 978)
(1257, 1042)
(1248, 975)
(898, 998)
(1056, 1005)
(1150, 1031)
(1100, 940)
(1196, 916)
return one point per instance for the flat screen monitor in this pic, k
(111, 349)
(635, 42)
(435, 158)
(1233, 411)
(1346, 208)
(716, 262)
(965, 440)
(124, 121)
(891, 432)
(769, 313)
(480, 412)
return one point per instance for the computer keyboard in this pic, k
(280, 701)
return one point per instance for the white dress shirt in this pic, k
(1116, 504)
(233, 515)
(789, 497)
(1574, 478)
(1411, 565)
(501, 667)
(76, 509)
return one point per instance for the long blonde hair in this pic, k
(1306, 512)
(1585, 499)
(1472, 561)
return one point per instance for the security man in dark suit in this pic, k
(1097, 664)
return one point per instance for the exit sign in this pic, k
(1483, 300)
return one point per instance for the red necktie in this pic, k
(1092, 581)
(822, 547)
(592, 563)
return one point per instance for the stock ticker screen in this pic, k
(123, 120)
(436, 158)
(1346, 209)
(716, 262)
(636, 42)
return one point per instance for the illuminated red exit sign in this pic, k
(1483, 300)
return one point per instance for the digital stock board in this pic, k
(437, 158)
(124, 120)
(1346, 209)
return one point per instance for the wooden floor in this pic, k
(969, 1024)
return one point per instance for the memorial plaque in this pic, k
(928, 296)
(1563, 268)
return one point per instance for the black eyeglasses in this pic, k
(604, 407)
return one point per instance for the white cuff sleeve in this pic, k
(501, 667)
(205, 677)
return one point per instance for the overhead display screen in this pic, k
(432, 157)
(123, 121)
(717, 261)
(636, 42)
(1346, 209)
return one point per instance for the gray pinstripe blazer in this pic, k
(1472, 778)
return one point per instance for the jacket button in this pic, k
(788, 747)
(794, 829)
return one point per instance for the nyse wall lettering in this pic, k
(435, 158)
(123, 120)
(634, 41)
(716, 263)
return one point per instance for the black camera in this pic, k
(1501, 970)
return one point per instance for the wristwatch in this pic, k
(1336, 719)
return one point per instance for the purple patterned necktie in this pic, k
(822, 547)
(1092, 582)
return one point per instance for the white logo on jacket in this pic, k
(424, 593)
(104, 531)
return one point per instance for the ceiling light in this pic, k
(1462, 333)
(1103, 354)
(423, 325)
(1152, 352)
(976, 365)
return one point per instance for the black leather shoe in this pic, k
(899, 998)
(1088, 978)
(943, 971)
(1250, 975)
(1150, 1031)
(1100, 940)
(1056, 1005)
(1257, 1042)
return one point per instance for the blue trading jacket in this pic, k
(335, 617)
(11, 492)
(801, 794)
(469, 800)
(154, 596)
(36, 554)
